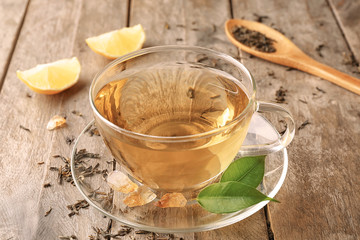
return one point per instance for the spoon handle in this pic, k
(309, 65)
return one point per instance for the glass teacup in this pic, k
(176, 116)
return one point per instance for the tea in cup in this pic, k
(176, 116)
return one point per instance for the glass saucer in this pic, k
(89, 179)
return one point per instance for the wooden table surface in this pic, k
(320, 196)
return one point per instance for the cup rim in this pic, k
(172, 139)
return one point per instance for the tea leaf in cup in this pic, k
(228, 197)
(247, 170)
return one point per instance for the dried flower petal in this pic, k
(171, 200)
(56, 122)
(120, 182)
(140, 197)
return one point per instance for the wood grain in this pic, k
(47, 35)
(319, 196)
(12, 14)
(348, 17)
(22, 177)
(93, 18)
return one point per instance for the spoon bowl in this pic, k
(288, 54)
(284, 47)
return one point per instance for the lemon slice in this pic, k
(117, 43)
(53, 77)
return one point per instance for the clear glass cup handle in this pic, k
(282, 141)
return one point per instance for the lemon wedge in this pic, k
(119, 42)
(51, 78)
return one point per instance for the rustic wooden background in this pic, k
(319, 199)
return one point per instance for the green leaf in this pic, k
(228, 197)
(247, 170)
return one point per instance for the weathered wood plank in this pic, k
(319, 196)
(12, 14)
(198, 23)
(249, 228)
(348, 16)
(93, 18)
(22, 177)
(51, 31)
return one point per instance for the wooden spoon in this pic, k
(288, 54)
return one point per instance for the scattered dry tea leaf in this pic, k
(303, 124)
(142, 232)
(75, 208)
(56, 122)
(280, 95)
(260, 18)
(48, 212)
(72, 237)
(120, 182)
(171, 200)
(94, 131)
(77, 113)
(25, 128)
(319, 48)
(140, 197)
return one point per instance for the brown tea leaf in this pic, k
(48, 212)
(25, 128)
(171, 200)
(77, 113)
(280, 95)
(75, 208)
(254, 39)
(304, 124)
